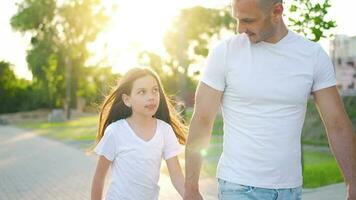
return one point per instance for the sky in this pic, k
(123, 40)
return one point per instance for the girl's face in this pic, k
(144, 97)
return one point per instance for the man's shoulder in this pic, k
(234, 41)
(306, 43)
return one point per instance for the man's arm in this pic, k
(207, 101)
(341, 137)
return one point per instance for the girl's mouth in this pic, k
(150, 106)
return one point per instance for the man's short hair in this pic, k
(265, 4)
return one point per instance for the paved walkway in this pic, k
(330, 192)
(36, 168)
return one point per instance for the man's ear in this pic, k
(277, 10)
(126, 100)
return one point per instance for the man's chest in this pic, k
(286, 80)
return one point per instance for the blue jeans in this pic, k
(234, 191)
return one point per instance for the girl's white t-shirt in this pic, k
(135, 162)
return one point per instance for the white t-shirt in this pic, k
(136, 163)
(265, 91)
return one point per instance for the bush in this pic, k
(313, 130)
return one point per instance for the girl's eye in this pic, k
(141, 92)
(155, 90)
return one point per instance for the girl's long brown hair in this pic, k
(114, 109)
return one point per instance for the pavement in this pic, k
(38, 168)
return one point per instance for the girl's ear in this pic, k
(126, 100)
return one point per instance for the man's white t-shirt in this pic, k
(136, 163)
(265, 91)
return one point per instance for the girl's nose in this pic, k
(152, 96)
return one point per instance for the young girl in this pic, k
(138, 127)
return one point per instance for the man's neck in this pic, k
(281, 32)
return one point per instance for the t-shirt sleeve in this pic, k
(171, 146)
(107, 146)
(324, 74)
(214, 70)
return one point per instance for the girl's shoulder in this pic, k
(117, 125)
(161, 122)
(163, 125)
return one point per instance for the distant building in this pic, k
(343, 55)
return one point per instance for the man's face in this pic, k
(253, 20)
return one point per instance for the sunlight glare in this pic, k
(136, 26)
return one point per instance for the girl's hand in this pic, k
(176, 174)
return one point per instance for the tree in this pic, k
(310, 19)
(97, 84)
(15, 93)
(60, 33)
(189, 37)
(185, 42)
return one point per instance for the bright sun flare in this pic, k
(137, 25)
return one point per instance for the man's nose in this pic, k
(240, 28)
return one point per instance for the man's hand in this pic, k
(192, 195)
(351, 191)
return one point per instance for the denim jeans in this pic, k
(234, 191)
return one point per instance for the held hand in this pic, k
(190, 195)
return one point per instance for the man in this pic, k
(262, 79)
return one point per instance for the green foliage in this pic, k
(97, 84)
(60, 34)
(6, 77)
(193, 29)
(15, 93)
(350, 107)
(314, 131)
(310, 19)
(190, 34)
(186, 42)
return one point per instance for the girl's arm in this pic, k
(99, 178)
(176, 174)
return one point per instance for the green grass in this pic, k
(81, 129)
(218, 124)
(320, 168)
